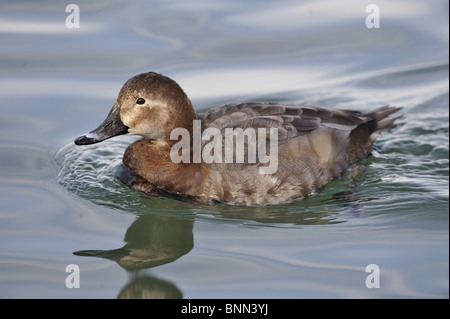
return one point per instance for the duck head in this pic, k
(150, 105)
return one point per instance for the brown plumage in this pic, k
(313, 145)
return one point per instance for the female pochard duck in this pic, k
(278, 153)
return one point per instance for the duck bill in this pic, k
(110, 127)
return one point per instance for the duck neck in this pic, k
(151, 160)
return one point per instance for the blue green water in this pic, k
(61, 204)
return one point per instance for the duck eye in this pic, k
(140, 101)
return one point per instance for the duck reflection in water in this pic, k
(157, 239)
(151, 241)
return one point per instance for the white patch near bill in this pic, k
(92, 135)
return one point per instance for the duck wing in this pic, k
(290, 120)
(353, 130)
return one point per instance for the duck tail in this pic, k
(383, 121)
(361, 139)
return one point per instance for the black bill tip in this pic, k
(111, 126)
(90, 138)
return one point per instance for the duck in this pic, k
(247, 154)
